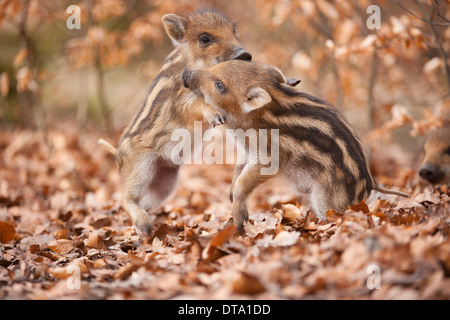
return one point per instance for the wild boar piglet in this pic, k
(201, 39)
(316, 149)
(435, 167)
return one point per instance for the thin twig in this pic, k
(442, 52)
(438, 12)
(439, 24)
(370, 94)
(334, 68)
(101, 92)
(82, 77)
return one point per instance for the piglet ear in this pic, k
(175, 27)
(292, 82)
(276, 74)
(279, 76)
(256, 98)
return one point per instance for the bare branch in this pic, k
(30, 100)
(434, 23)
(370, 93)
(444, 56)
(328, 33)
(437, 3)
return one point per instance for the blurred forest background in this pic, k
(390, 78)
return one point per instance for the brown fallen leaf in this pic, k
(381, 216)
(292, 212)
(380, 204)
(61, 234)
(126, 270)
(247, 284)
(76, 268)
(7, 232)
(60, 273)
(211, 252)
(34, 248)
(101, 222)
(444, 255)
(310, 226)
(198, 201)
(362, 206)
(95, 241)
(161, 232)
(61, 246)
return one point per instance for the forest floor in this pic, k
(63, 235)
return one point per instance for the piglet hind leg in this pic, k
(249, 178)
(322, 199)
(147, 184)
(319, 206)
(237, 171)
(138, 215)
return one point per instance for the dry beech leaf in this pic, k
(380, 215)
(61, 246)
(101, 222)
(286, 239)
(292, 212)
(95, 241)
(61, 234)
(355, 256)
(34, 248)
(81, 264)
(282, 239)
(247, 284)
(161, 232)
(78, 266)
(211, 252)
(362, 206)
(60, 273)
(310, 226)
(7, 232)
(126, 270)
(333, 215)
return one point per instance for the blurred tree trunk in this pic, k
(82, 108)
(32, 112)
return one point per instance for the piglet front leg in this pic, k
(248, 179)
(237, 171)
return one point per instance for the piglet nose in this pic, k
(241, 54)
(185, 76)
(427, 172)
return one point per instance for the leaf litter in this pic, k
(60, 220)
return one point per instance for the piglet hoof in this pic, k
(146, 231)
(241, 229)
(145, 226)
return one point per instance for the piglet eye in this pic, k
(205, 39)
(447, 152)
(219, 86)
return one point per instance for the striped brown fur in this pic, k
(318, 151)
(148, 175)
